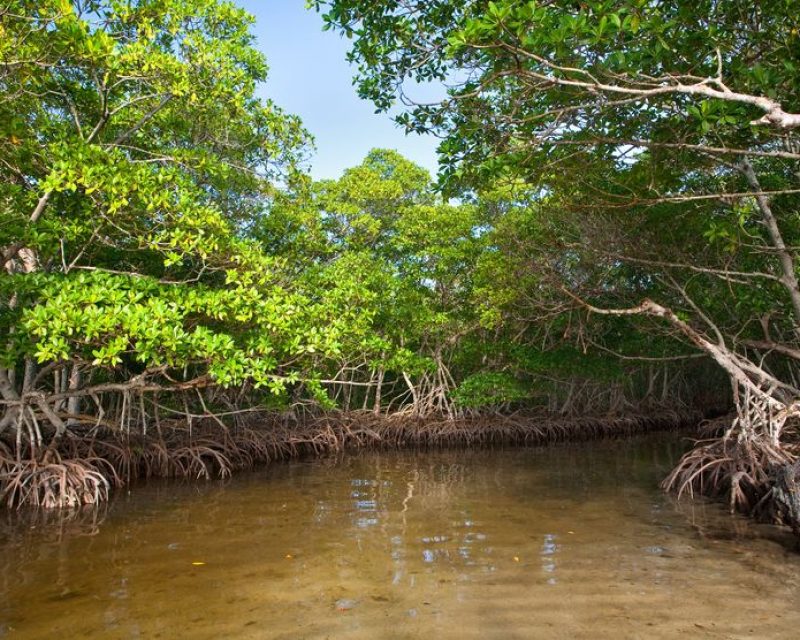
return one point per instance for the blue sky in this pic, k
(310, 77)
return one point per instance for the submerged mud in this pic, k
(568, 541)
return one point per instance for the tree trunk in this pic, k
(9, 395)
(74, 403)
(788, 277)
(376, 409)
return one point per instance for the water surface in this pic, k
(574, 541)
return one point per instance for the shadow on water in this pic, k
(572, 541)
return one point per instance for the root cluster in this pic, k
(84, 468)
(747, 470)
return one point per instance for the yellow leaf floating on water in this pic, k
(198, 564)
(289, 556)
(516, 558)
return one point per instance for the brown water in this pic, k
(568, 542)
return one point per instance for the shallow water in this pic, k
(574, 541)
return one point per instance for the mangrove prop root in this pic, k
(84, 468)
(63, 483)
(754, 475)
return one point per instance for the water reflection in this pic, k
(548, 555)
(516, 543)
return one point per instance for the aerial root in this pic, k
(742, 471)
(58, 483)
(84, 468)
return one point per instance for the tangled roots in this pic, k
(83, 469)
(62, 483)
(741, 471)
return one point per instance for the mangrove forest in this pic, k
(608, 249)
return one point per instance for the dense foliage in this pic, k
(159, 234)
(137, 161)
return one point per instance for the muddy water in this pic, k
(568, 542)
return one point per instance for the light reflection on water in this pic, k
(572, 542)
(548, 554)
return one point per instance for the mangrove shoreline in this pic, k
(85, 467)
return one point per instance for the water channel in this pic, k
(571, 541)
